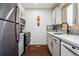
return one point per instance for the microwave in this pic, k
(22, 25)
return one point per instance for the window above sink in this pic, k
(70, 15)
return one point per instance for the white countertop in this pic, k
(72, 39)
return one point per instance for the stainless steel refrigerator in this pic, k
(9, 29)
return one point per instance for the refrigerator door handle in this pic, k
(17, 37)
(16, 34)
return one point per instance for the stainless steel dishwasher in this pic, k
(56, 46)
(69, 50)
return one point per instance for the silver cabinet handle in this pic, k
(52, 44)
(54, 39)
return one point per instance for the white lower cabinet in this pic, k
(50, 47)
(53, 45)
(56, 50)
(49, 42)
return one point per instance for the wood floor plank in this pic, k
(37, 50)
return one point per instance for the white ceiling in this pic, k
(39, 5)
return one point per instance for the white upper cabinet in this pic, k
(54, 16)
(78, 14)
(57, 15)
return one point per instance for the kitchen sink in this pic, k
(58, 33)
(61, 33)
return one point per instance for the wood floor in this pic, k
(37, 50)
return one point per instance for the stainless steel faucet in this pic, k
(67, 26)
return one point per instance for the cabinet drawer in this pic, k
(56, 40)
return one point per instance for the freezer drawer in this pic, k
(1, 28)
(8, 44)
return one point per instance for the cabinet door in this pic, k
(55, 50)
(50, 43)
(54, 17)
(58, 15)
(78, 14)
(48, 40)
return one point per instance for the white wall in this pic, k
(38, 33)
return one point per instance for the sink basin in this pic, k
(58, 33)
(62, 33)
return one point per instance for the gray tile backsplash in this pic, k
(75, 31)
(57, 28)
(51, 28)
